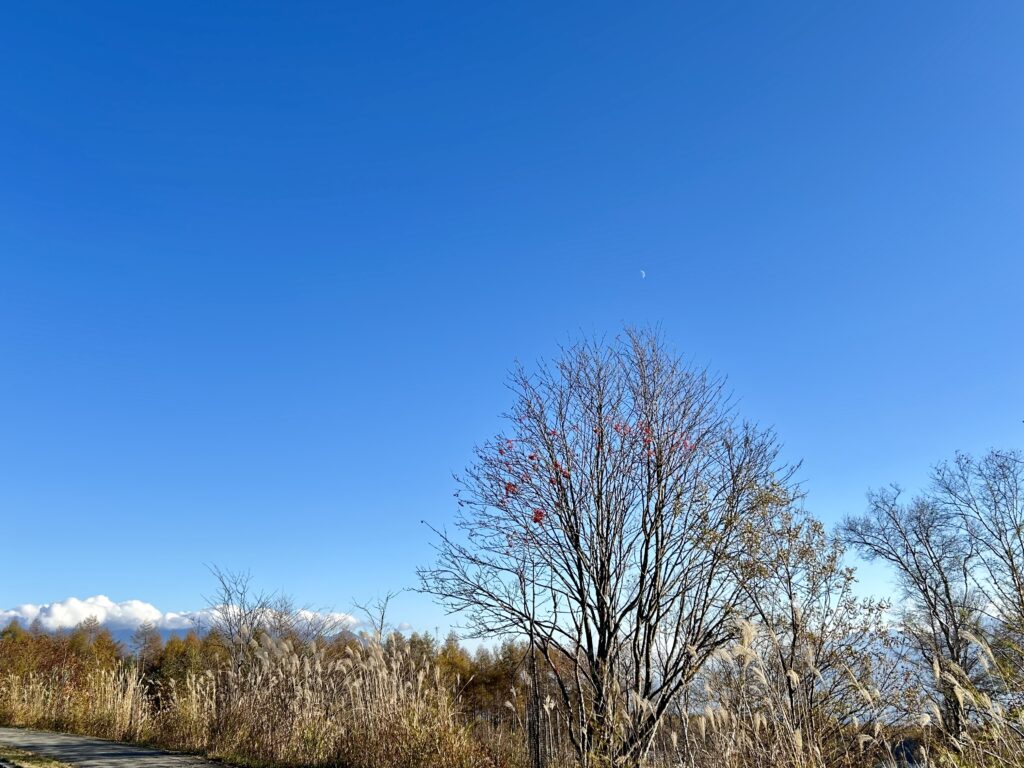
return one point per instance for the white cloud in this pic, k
(333, 618)
(126, 615)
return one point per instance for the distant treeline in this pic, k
(485, 678)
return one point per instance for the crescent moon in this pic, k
(643, 274)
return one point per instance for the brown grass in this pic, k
(375, 708)
(281, 707)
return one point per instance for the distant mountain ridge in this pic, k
(123, 618)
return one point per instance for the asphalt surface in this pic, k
(96, 753)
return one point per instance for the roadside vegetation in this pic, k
(19, 758)
(644, 588)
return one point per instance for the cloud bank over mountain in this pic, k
(128, 615)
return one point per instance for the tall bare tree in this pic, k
(824, 649)
(605, 527)
(238, 612)
(987, 494)
(932, 559)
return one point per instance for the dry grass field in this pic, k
(379, 708)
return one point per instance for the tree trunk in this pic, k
(535, 715)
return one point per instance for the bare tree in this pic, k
(377, 614)
(304, 624)
(987, 494)
(240, 616)
(824, 649)
(238, 612)
(605, 528)
(933, 561)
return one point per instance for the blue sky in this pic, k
(263, 267)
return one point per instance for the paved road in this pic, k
(96, 753)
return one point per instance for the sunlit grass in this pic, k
(283, 706)
(374, 707)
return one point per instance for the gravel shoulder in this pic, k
(19, 758)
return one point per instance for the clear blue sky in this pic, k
(263, 267)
